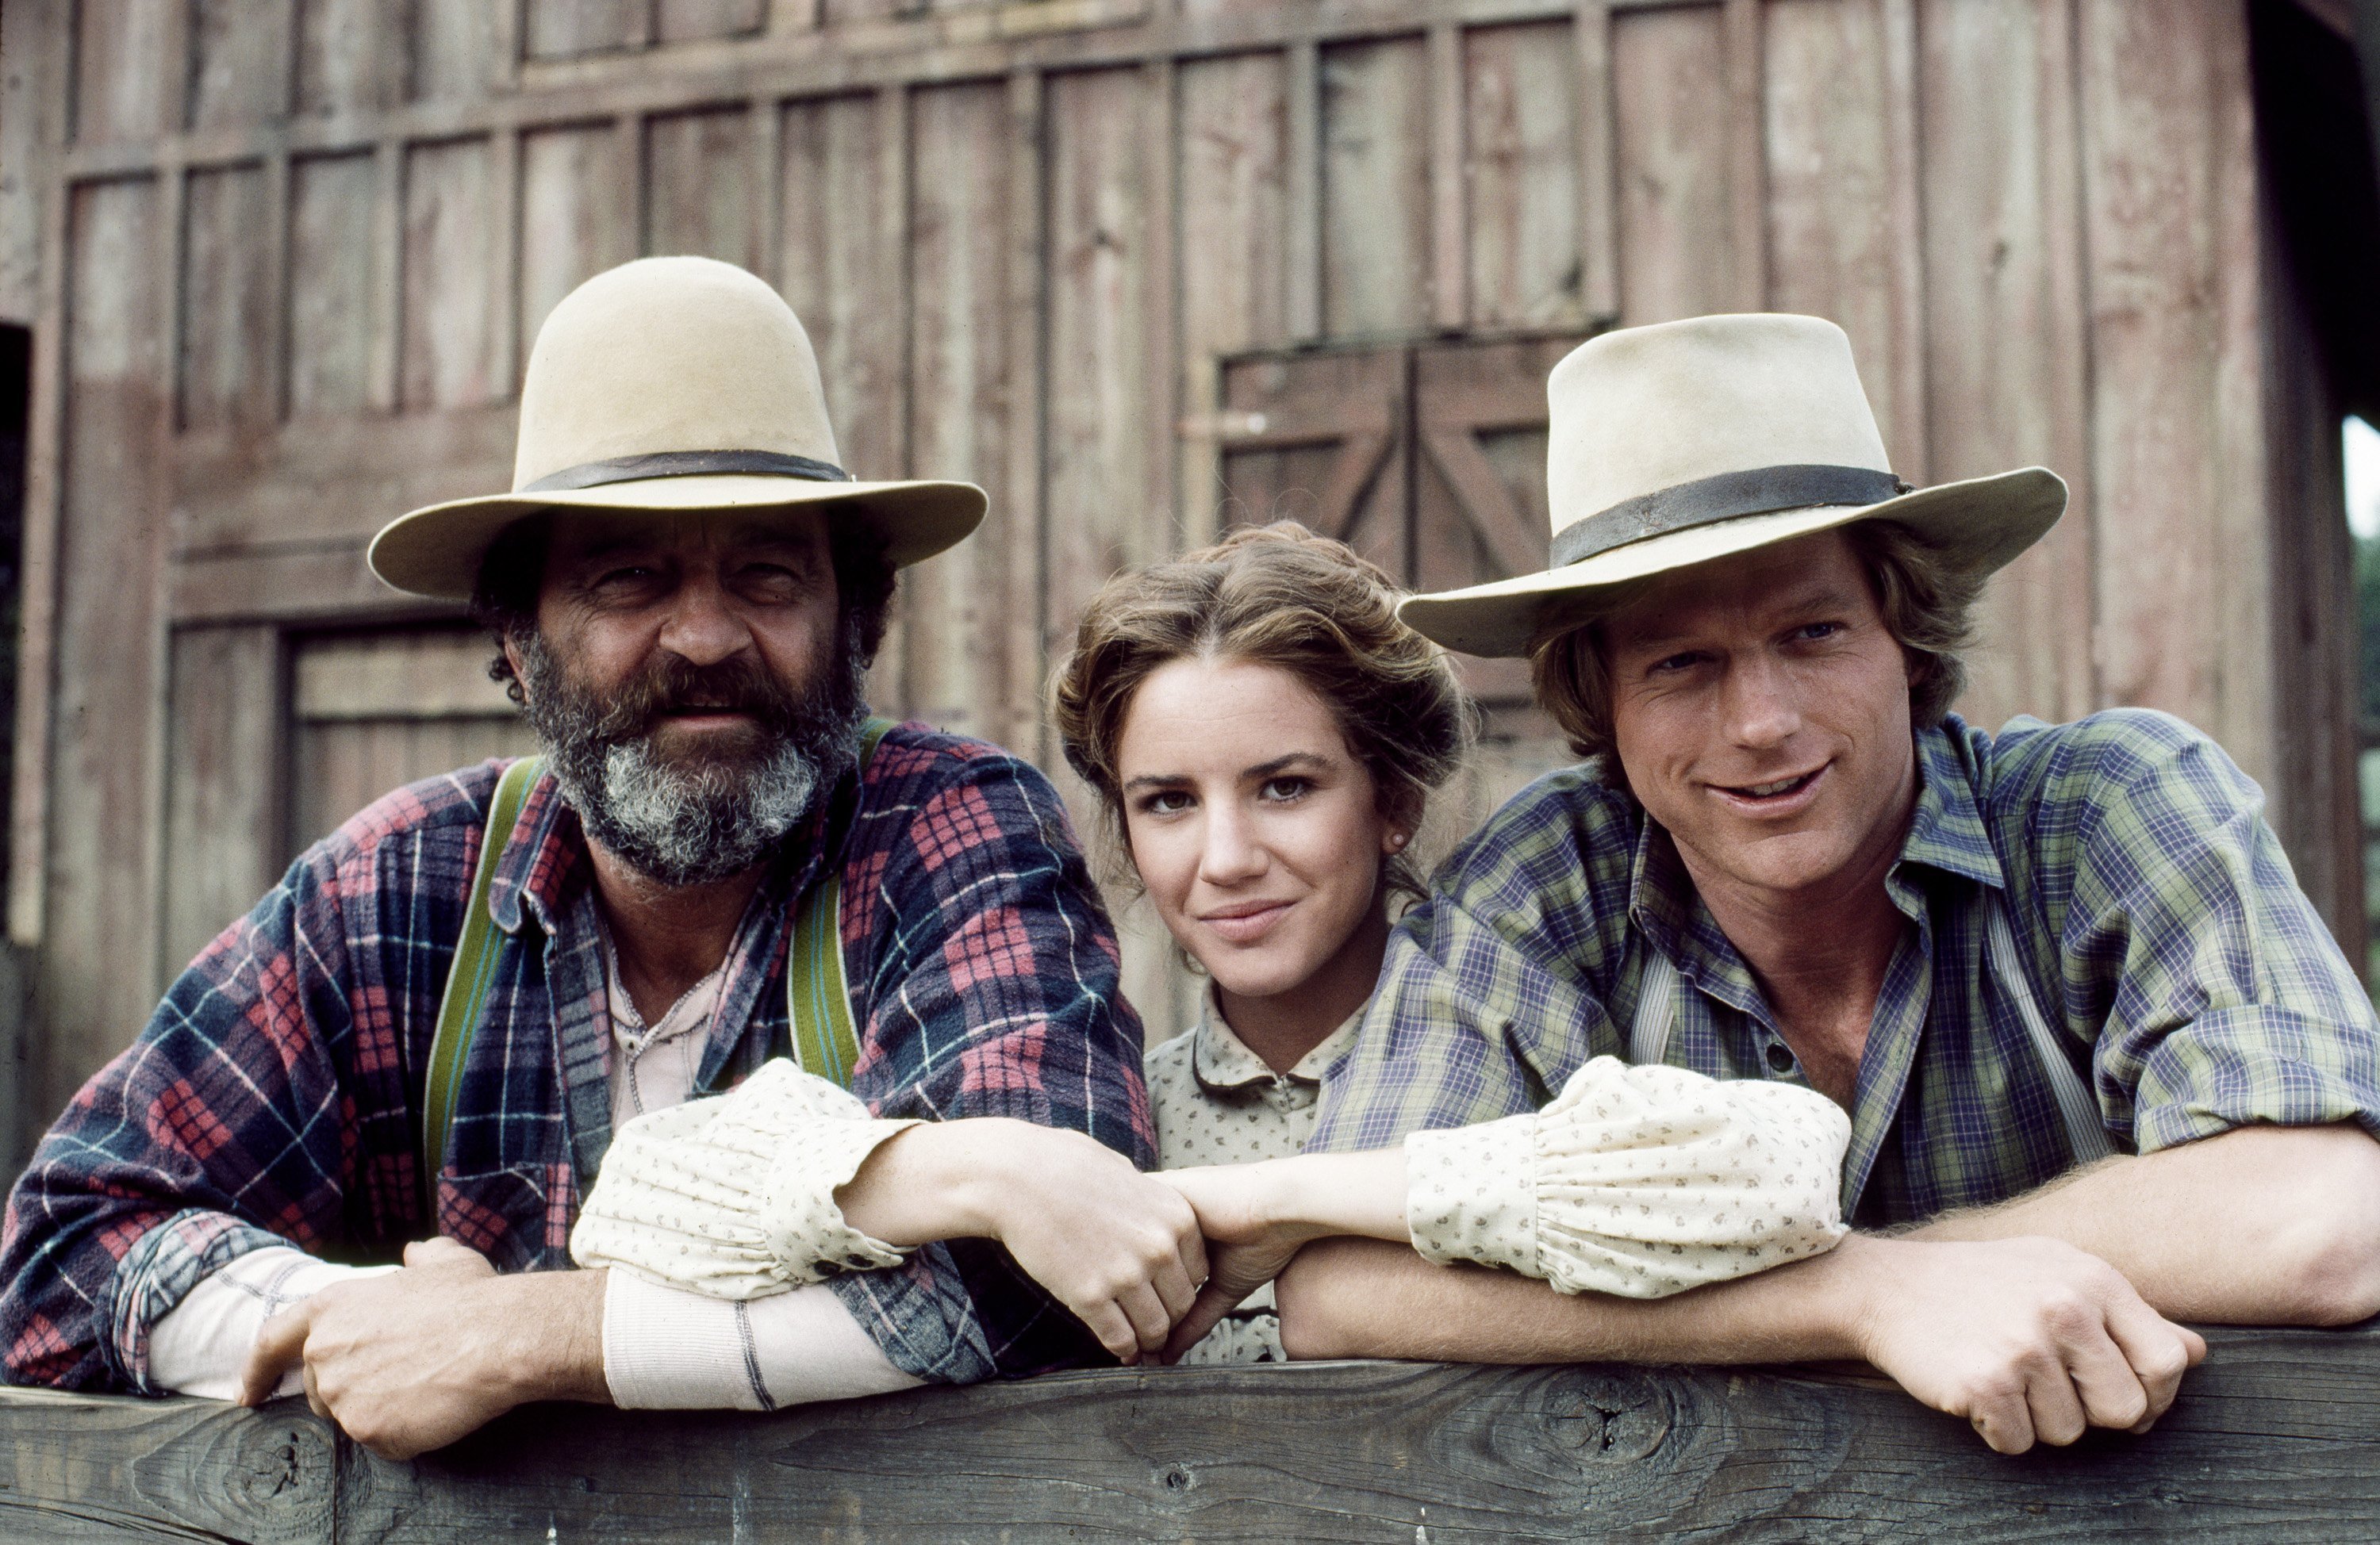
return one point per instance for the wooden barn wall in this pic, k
(289, 256)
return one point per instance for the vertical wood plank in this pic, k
(1598, 168)
(337, 261)
(451, 270)
(1375, 188)
(698, 185)
(223, 822)
(571, 221)
(956, 662)
(38, 102)
(834, 273)
(225, 300)
(1830, 180)
(388, 277)
(351, 56)
(1522, 168)
(2003, 380)
(238, 62)
(1026, 237)
(503, 294)
(1160, 132)
(690, 21)
(1302, 250)
(887, 680)
(567, 29)
(765, 134)
(1450, 276)
(1234, 177)
(131, 68)
(2176, 418)
(110, 565)
(1677, 220)
(457, 48)
(1905, 424)
(1746, 160)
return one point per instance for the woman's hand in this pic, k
(1246, 1245)
(1112, 1244)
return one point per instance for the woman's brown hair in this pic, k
(1273, 595)
(1927, 605)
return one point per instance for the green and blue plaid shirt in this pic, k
(2162, 930)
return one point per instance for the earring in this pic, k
(1397, 839)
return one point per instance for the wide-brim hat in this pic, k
(1678, 443)
(669, 385)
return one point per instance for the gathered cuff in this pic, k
(733, 1198)
(1636, 1181)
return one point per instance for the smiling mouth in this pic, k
(1777, 789)
(1245, 925)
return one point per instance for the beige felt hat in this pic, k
(1677, 443)
(670, 384)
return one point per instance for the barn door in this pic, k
(1428, 459)
(373, 711)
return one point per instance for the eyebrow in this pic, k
(1261, 770)
(1825, 597)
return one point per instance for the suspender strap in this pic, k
(818, 996)
(468, 980)
(1657, 1008)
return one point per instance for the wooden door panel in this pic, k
(1321, 439)
(373, 711)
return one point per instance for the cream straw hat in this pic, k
(1677, 443)
(670, 384)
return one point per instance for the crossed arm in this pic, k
(2032, 1319)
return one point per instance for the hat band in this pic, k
(686, 463)
(1683, 506)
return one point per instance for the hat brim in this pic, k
(1978, 524)
(436, 550)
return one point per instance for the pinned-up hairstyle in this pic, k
(1280, 595)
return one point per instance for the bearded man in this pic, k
(433, 1025)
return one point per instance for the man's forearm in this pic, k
(1364, 1298)
(2259, 1225)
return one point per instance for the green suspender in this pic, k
(467, 981)
(817, 999)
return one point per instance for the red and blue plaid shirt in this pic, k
(274, 1096)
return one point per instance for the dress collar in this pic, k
(1221, 1061)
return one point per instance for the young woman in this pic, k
(1263, 735)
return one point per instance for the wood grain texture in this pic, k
(110, 563)
(1830, 237)
(238, 63)
(223, 769)
(1522, 166)
(1376, 188)
(699, 186)
(2003, 371)
(2269, 1439)
(571, 219)
(956, 666)
(130, 68)
(451, 233)
(2176, 418)
(227, 301)
(1677, 229)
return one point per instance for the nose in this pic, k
(702, 627)
(1760, 707)
(1232, 853)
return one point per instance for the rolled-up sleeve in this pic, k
(2220, 997)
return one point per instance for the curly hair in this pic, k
(1280, 595)
(503, 601)
(1927, 605)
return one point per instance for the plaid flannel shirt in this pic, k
(2163, 933)
(274, 1098)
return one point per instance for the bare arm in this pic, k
(1111, 1243)
(2027, 1339)
(2260, 1225)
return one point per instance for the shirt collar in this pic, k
(1221, 1061)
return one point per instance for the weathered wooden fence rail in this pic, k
(2277, 1437)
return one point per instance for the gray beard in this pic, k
(692, 820)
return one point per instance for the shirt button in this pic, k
(1780, 1058)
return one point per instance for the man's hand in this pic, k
(2029, 1339)
(411, 1361)
(1112, 1244)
